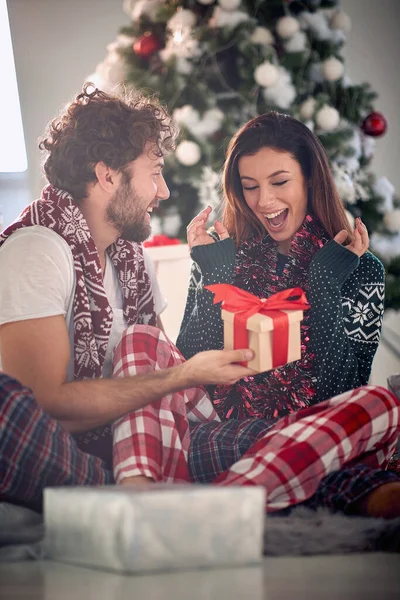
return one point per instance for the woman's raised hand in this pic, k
(197, 230)
(360, 240)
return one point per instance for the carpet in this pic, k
(302, 532)
(307, 532)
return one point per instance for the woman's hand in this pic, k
(197, 230)
(360, 239)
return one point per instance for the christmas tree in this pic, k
(218, 63)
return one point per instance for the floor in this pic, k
(351, 577)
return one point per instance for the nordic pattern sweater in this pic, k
(346, 295)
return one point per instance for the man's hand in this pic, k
(216, 366)
(197, 230)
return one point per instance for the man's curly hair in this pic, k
(99, 127)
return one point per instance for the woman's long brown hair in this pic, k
(283, 134)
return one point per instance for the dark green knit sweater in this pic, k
(346, 297)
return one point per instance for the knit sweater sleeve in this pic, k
(346, 297)
(202, 327)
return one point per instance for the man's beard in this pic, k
(125, 214)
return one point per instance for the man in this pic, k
(73, 277)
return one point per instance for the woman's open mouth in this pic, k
(276, 219)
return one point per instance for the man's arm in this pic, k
(36, 352)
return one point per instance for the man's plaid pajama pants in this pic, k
(331, 454)
(36, 452)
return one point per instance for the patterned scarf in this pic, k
(289, 388)
(93, 315)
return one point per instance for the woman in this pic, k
(283, 226)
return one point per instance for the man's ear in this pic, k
(106, 177)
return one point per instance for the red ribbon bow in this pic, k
(245, 305)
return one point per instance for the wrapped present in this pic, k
(156, 527)
(268, 326)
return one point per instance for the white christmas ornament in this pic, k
(188, 153)
(327, 118)
(229, 4)
(182, 19)
(333, 69)
(297, 43)
(283, 92)
(287, 26)
(266, 74)
(307, 108)
(392, 221)
(341, 20)
(262, 36)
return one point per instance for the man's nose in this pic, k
(162, 190)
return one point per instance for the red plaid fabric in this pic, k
(289, 461)
(36, 452)
(154, 441)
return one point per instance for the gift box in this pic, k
(260, 331)
(270, 327)
(156, 527)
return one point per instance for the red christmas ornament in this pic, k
(146, 45)
(374, 124)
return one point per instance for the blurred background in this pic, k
(50, 47)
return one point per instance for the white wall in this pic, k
(57, 43)
(373, 55)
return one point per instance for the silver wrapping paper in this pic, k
(154, 528)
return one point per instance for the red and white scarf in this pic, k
(92, 313)
(292, 387)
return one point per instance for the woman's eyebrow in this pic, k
(269, 176)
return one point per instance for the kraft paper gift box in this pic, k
(260, 329)
(133, 529)
(268, 326)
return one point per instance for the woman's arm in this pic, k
(213, 262)
(202, 326)
(346, 297)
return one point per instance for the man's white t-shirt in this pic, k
(37, 279)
